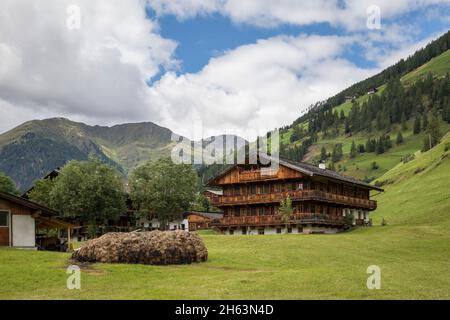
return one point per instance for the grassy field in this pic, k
(413, 252)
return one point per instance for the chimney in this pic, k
(322, 166)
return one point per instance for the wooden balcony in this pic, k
(278, 220)
(300, 195)
(257, 175)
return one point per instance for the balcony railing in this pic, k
(299, 195)
(274, 220)
(256, 175)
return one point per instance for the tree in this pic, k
(353, 150)
(403, 122)
(42, 192)
(337, 153)
(361, 148)
(399, 139)
(446, 110)
(432, 134)
(89, 191)
(163, 189)
(323, 154)
(417, 125)
(201, 203)
(7, 185)
(380, 146)
(286, 210)
(424, 121)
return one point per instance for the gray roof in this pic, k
(310, 170)
(211, 215)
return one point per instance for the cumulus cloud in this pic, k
(262, 85)
(350, 14)
(96, 72)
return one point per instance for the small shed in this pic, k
(20, 218)
(199, 220)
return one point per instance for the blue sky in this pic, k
(207, 36)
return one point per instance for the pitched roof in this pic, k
(308, 169)
(28, 204)
(210, 215)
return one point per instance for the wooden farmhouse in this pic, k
(321, 198)
(21, 218)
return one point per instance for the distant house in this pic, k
(51, 175)
(372, 91)
(349, 98)
(191, 221)
(20, 218)
(199, 220)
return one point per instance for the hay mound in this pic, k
(155, 247)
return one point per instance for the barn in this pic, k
(20, 218)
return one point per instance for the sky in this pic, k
(198, 67)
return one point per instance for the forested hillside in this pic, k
(370, 133)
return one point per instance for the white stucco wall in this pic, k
(23, 230)
(155, 224)
(295, 230)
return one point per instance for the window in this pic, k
(289, 230)
(4, 218)
(278, 230)
(244, 231)
(231, 232)
(300, 230)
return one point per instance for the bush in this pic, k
(348, 221)
(408, 158)
(447, 146)
(375, 166)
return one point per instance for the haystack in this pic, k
(155, 247)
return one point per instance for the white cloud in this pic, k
(261, 85)
(96, 72)
(351, 14)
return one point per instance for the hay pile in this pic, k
(155, 247)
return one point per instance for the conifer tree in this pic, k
(353, 150)
(399, 139)
(417, 125)
(432, 133)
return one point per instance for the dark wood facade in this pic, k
(251, 196)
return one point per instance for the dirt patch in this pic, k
(155, 248)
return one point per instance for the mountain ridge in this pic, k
(34, 148)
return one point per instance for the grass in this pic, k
(439, 66)
(414, 263)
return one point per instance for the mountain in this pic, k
(29, 151)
